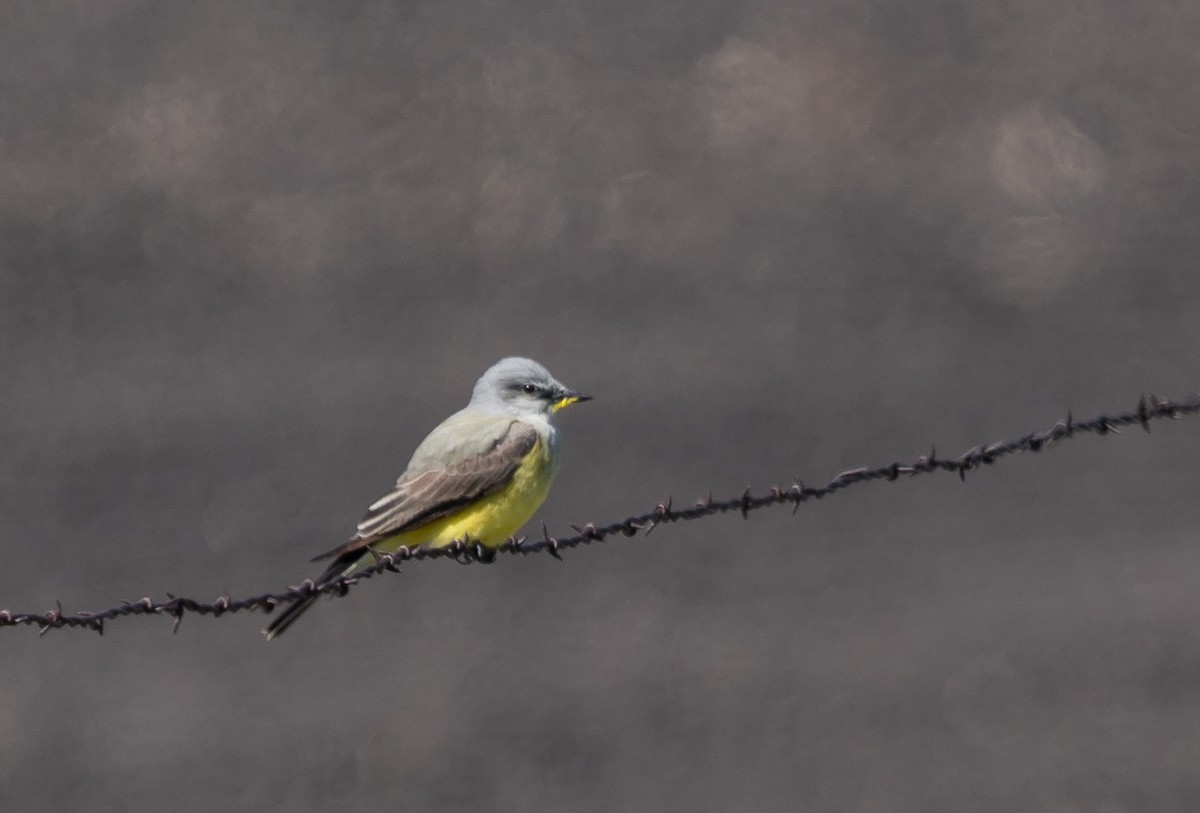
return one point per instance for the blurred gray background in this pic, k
(251, 253)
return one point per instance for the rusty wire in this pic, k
(1148, 409)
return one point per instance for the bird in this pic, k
(477, 477)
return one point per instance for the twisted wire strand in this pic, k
(1149, 409)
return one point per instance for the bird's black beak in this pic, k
(564, 398)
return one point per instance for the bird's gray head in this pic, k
(521, 386)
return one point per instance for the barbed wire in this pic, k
(1149, 409)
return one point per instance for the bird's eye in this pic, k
(530, 389)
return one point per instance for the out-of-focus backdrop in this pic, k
(251, 253)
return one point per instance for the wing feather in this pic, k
(422, 496)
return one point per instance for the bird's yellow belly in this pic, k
(492, 519)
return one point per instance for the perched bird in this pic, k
(477, 477)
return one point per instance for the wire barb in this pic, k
(1149, 408)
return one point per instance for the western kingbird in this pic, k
(477, 477)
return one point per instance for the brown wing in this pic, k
(421, 497)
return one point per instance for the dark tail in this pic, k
(291, 614)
